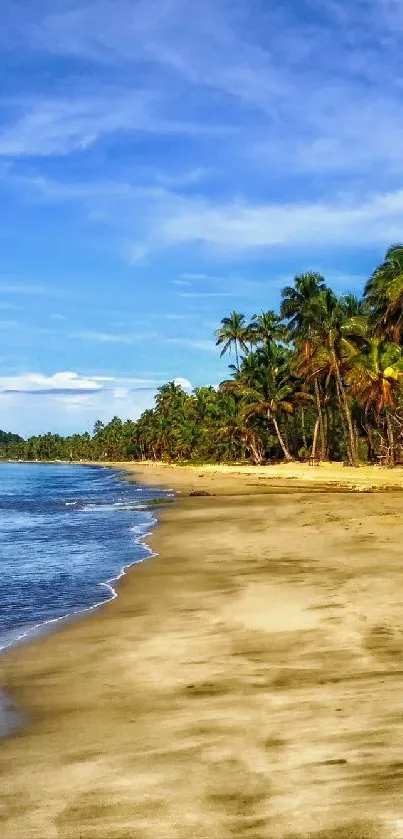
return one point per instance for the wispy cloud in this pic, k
(9, 307)
(174, 159)
(114, 337)
(170, 220)
(310, 97)
(192, 343)
(58, 126)
(8, 286)
(275, 60)
(237, 226)
(201, 294)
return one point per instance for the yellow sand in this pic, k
(246, 683)
(255, 478)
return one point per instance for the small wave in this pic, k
(117, 506)
(68, 524)
(18, 636)
(143, 529)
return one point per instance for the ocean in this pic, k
(66, 534)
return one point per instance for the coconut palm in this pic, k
(375, 378)
(384, 295)
(296, 308)
(333, 346)
(233, 334)
(266, 327)
(264, 387)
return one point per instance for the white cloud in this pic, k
(73, 402)
(376, 219)
(67, 413)
(310, 101)
(120, 392)
(183, 383)
(39, 383)
(166, 219)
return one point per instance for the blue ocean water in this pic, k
(65, 531)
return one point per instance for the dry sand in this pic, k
(246, 683)
(243, 480)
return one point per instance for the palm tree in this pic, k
(264, 388)
(375, 377)
(233, 333)
(234, 427)
(266, 327)
(384, 295)
(296, 308)
(333, 347)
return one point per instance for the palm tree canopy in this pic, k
(384, 295)
(375, 375)
(233, 332)
(296, 306)
(265, 327)
(263, 382)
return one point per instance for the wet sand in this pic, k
(247, 682)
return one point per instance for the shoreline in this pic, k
(246, 683)
(325, 476)
(42, 628)
(187, 479)
(11, 720)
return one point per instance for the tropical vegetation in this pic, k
(320, 379)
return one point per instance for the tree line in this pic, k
(321, 378)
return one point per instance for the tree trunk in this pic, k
(344, 423)
(303, 429)
(332, 435)
(315, 438)
(371, 447)
(254, 450)
(286, 437)
(320, 418)
(344, 406)
(236, 356)
(356, 437)
(327, 431)
(391, 440)
(286, 453)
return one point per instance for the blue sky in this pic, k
(163, 162)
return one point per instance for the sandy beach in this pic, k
(247, 682)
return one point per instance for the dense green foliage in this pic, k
(322, 379)
(7, 438)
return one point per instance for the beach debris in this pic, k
(200, 493)
(336, 761)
